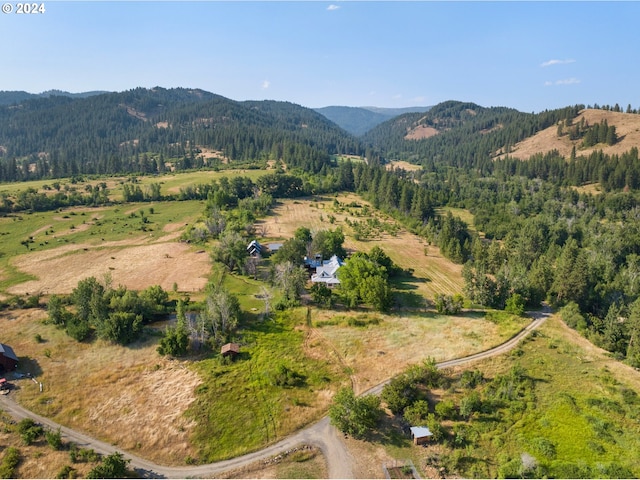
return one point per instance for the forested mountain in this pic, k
(13, 97)
(458, 133)
(141, 129)
(359, 120)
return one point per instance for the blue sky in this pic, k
(527, 55)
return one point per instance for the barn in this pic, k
(8, 359)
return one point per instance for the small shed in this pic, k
(421, 435)
(232, 349)
(8, 359)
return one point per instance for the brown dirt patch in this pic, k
(420, 132)
(134, 266)
(627, 127)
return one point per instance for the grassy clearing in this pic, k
(374, 347)
(432, 273)
(128, 396)
(240, 407)
(576, 417)
(170, 182)
(29, 241)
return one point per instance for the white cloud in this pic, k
(564, 81)
(419, 99)
(266, 84)
(557, 62)
(397, 96)
(333, 7)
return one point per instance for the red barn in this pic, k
(8, 359)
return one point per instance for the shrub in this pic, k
(54, 439)
(29, 430)
(9, 463)
(112, 466)
(67, 472)
(446, 410)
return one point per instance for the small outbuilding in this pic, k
(8, 359)
(230, 349)
(254, 248)
(421, 435)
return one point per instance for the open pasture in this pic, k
(375, 347)
(136, 244)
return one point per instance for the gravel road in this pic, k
(322, 434)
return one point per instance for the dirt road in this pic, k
(322, 434)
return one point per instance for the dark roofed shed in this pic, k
(8, 359)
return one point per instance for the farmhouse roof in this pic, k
(7, 351)
(420, 432)
(327, 272)
(254, 247)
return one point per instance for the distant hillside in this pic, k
(460, 134)
(359, 120)
(627, 130)
(141, 129)
(13, 97)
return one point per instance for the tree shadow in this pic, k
(392, 431)
(29, 367)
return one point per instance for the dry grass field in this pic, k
(136, 263)
(627, 127)
(129, 396)
(390, 343)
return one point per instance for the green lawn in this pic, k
(240, 408)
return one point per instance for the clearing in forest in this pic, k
(431, 271)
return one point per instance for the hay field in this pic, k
(433, 273)
(135, 264)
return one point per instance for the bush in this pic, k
(29, 430)
(54, 439)
(286, 377)
(112, 466)
(355, 416)
(9, 463)
(446, 410)
(67, 472)
(515, 304)
(448, 304)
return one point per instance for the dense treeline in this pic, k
(612, 172)
(138, 131)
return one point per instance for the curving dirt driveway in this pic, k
(322, 434)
